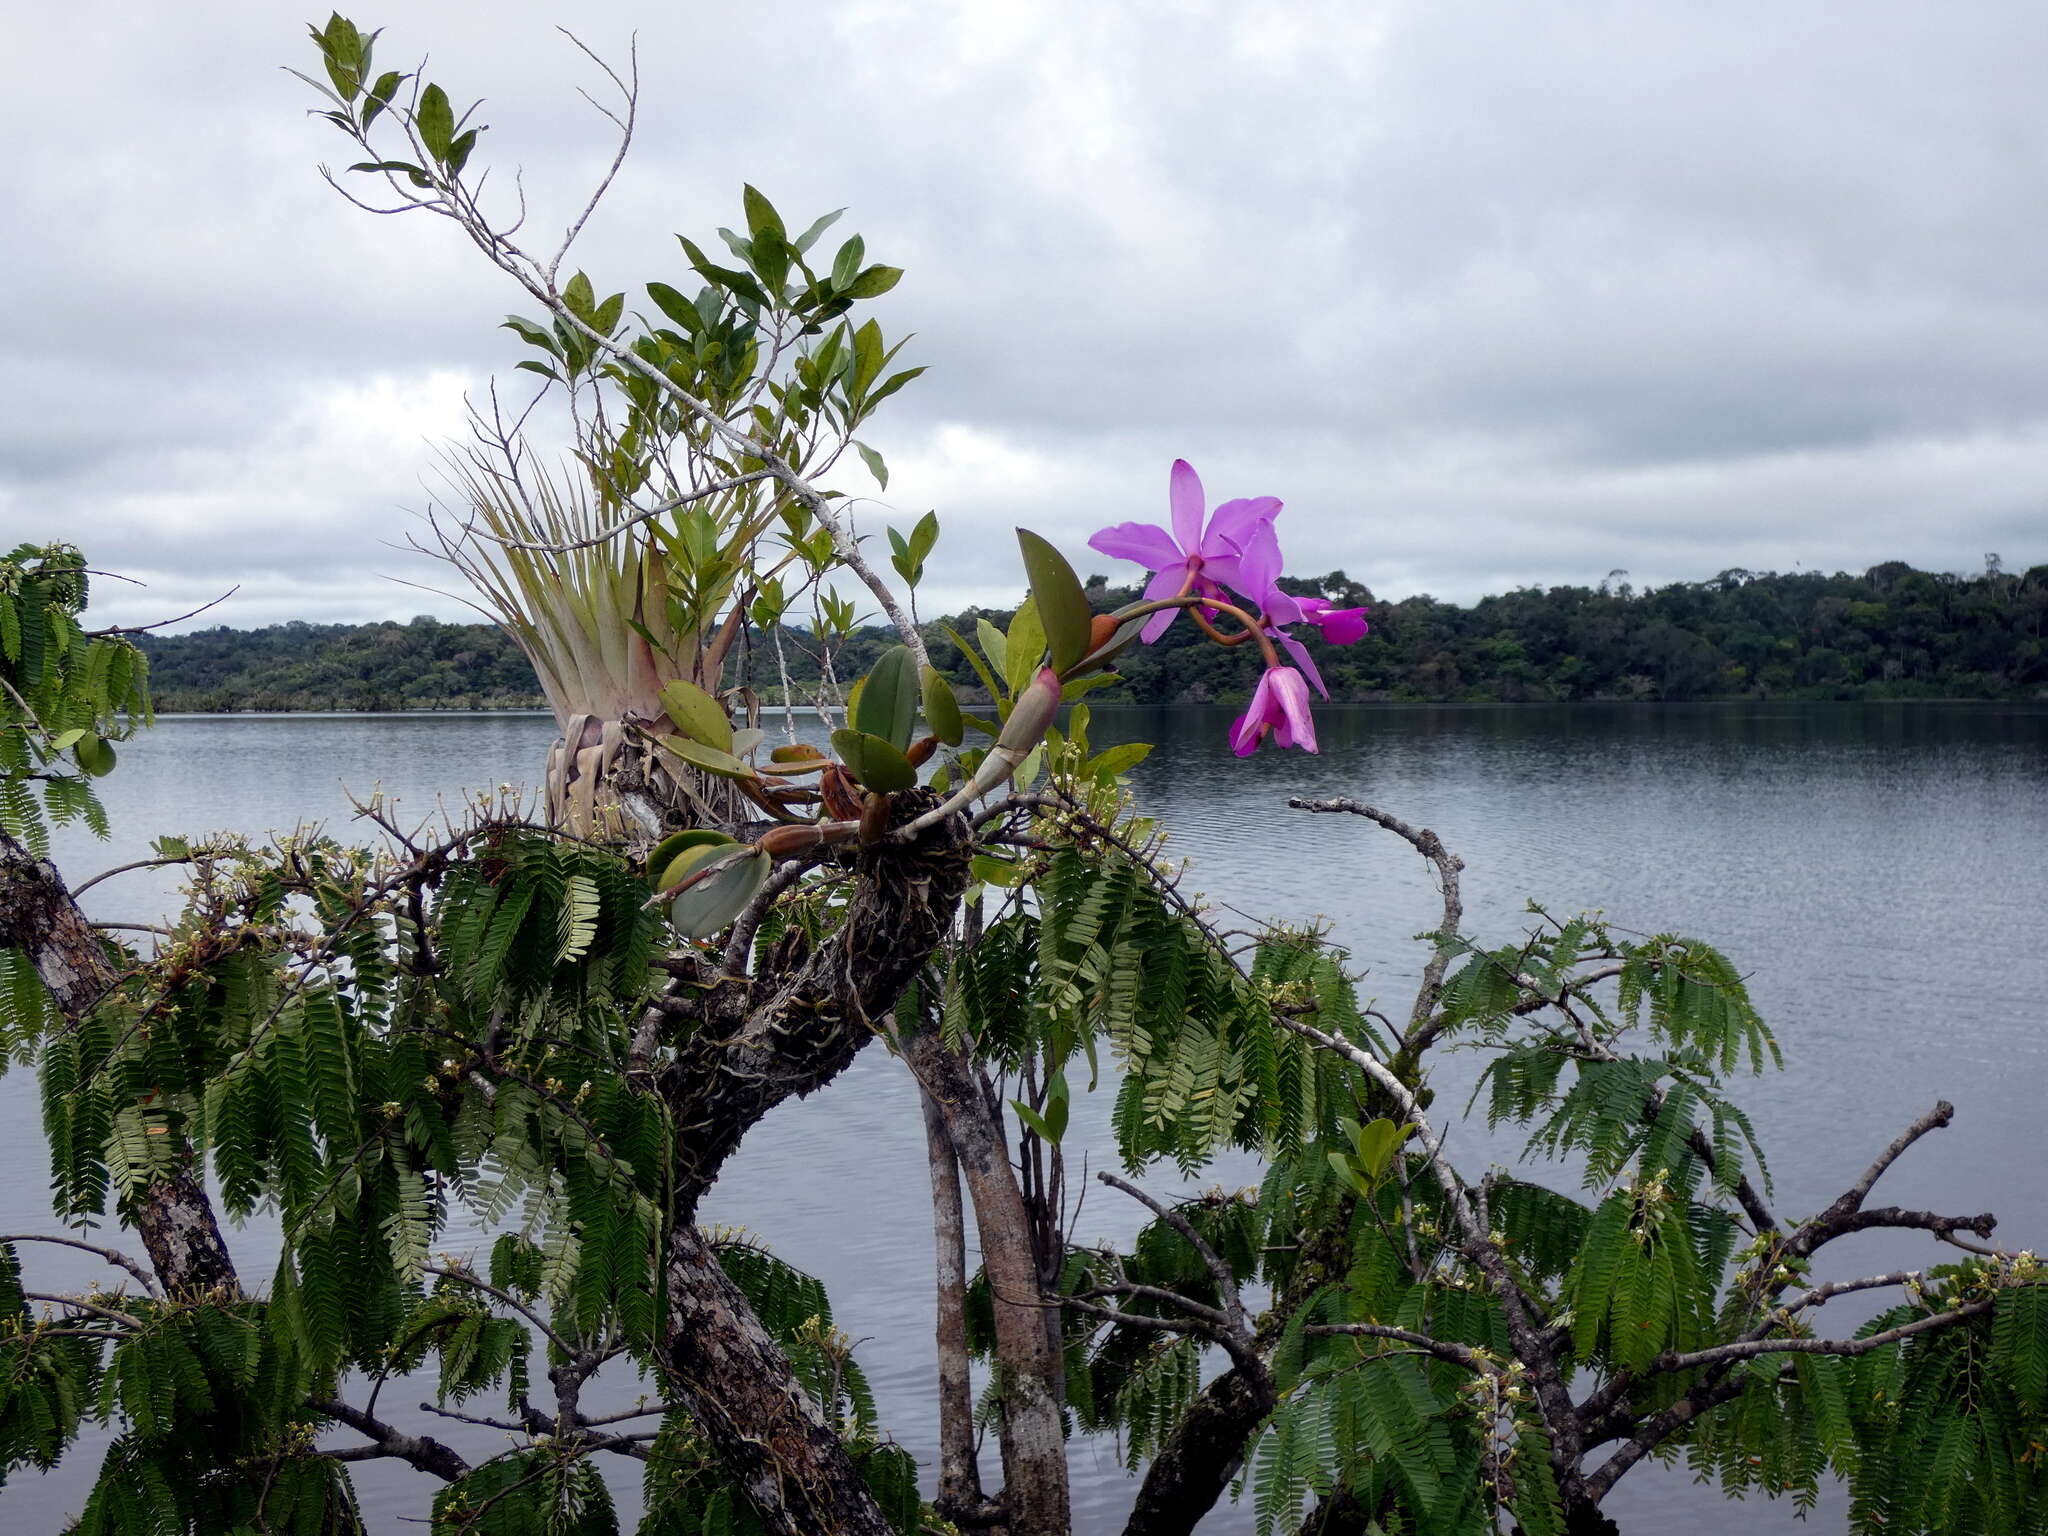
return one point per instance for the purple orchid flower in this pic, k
(1279, 707)
(1340, 626)
(1192, 557)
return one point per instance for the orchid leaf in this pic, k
(714, 902)
(710, 759)
(686, 861)
(697, 715)
(671, 847)
(1056, 595)
(988, 678)
(941, 709)
(887, 705)
(1023, 647)
(1080, 686)
(997, 649)
(875, 763)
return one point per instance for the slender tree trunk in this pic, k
(959, 1472)
(173, 1213)
(1035, 1493)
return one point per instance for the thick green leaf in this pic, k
(890, 385)
(981, 670)
(1376, 1144)
(846, 265)
(1114, 762)
(435, 120)
(671, 847)
(867, 358)
(697, 715)
(873, 460)
(677, 867)
(924, 536)
(995, 647)
(712, 903)
(1023, 647)
(380, 95)
(761, 215)
(710, 759)
(823, 222)
(1062, 605)
(941, 709)
(874, 282)
(873, 761)
(887, 706)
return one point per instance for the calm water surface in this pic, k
(1877, 870)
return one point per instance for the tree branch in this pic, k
(422, 1451)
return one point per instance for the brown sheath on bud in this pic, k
(781, 842)
(1101, 630)
(842, 800)
(920, 751)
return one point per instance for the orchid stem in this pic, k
(1254, 629)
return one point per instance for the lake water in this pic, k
(1878, 871)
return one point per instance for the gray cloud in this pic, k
(1490, 296)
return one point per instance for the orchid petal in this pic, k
(1244, 736)
(1231, 525)
(1186, 496)
(1340, 626)
(1299, 652)
(1292, 695)
(1164, 584)
(1254, 574)
(1146, 543)
(1251, 726)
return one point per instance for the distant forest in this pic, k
(1891, 633)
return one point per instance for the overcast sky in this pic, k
(1489, 294)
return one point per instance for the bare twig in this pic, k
(113, 1256)
(1423, 1025)
(142, 629)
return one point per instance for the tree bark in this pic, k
(173, 1214)
(1035, 1493)
(959, 1471)
(744, 1399)
(1200, 1457)
(743, 1044)
(738, 1047)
